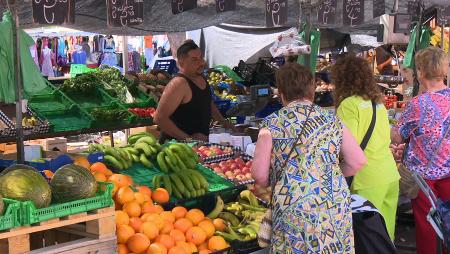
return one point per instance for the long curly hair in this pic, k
(351, 76)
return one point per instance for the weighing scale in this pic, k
(249, 105)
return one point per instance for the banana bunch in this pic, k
(243, 217)
(29, 121)
(189, 184)
(177, 158)
(142, 148)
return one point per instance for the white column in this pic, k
(125, 53)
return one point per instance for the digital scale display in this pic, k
(263, 92)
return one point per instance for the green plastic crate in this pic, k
(102, 123)
(98, 98)
(10, 217)
(143, 176)
(80, 69)
(142, 100)
(30, 214)
(52, 101)
(230, 73)
(70, 119)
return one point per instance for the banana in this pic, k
(132, 139)
(122, 153)
(254, 208)
(250, 197)
(176, 192)
(217, 209)
(156, 181)
(173, 166)
(111, 151)
(187, 182)
(132, 150)
(230, 218)
(180, 163)
(177, 182)
(167, 184)
(248, 231)
(201, 178)
(162, 163)
(153, 150)
(145, 161)
(147, 139)
(194, 180)
(144, 147)
(110, 160)
(187, 194)
(135, 158)
(228, 237)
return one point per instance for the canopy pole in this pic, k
(417, 42)
(125, 54)
(18, 84)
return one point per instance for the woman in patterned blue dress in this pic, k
(311, 200)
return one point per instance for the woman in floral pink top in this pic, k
(425, 123)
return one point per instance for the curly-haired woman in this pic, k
(355, 91)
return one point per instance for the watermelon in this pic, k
(17, 166)
(2, 206)
(24, 184)
(72, 182)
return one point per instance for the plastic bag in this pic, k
(289, 43)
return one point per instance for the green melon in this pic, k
(26, 185)
(17, 166)
(2, 206)
(72, 182)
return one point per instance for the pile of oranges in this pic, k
(143, 227)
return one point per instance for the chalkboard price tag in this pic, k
(353, 13)
(179, 6)
(276, 13)
(125, 12)
(326, 13)
(379, 8)
(56, 12)
(225, 5)
(444, 15)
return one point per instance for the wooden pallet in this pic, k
(89, 232)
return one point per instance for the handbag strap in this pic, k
(367, 136)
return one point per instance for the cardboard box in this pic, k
(154, 130)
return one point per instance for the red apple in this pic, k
(249, 176)
(223, 164)
(239, 161)
(237, 172)
(218, 170)
(248, 164)
(202, 148)
(229, 173)
(213, 165)
(245, 170)
(240, 178)
(234, 166)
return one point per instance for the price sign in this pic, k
(225, 5)
(326, 13)
(179, 6)
(379, 8)
(276, 13)
(55, 12)
(353, 13)
(444, 15)
(125, 12)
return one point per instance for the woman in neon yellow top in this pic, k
(378, 181)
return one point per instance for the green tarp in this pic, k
(425, 37)
(32, 79)
(315, 47)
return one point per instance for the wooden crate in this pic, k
(91, 232)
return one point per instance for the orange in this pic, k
(166, 240)
(48, 174)
(193, 248)
(119, 179)
(155, 209)
(157, 219)
(146, 207)
(99, 167)
(141, 198)
(150, 230)
(138, 243)
(124, 232)
(145, 190)
(216, 243)
(115, 189)
(122, 218)
(122, 249)
(167, 228)
(219, 224)
(203, 246)
(204, 252)
(108, 173)
(183, 224)
(129, 180)
(196, 235)
(168, 216)
(117, 206)
(157, 248)
(179, 212)
(208, 227)
(177, 235)
(185, 246)
(132, 208)
(160, 196)
(124, 195)
(177, 250)
(195, 215)
(135, 223)
(144, 217)
(100, 177)
(82, 161)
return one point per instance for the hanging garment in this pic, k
(61, 47)
(79, 57)
(7, 78)
(47, 67)
(34, 54)
(109, 59)
(149, 56)
(109, 45)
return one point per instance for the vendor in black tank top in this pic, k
(186, 106)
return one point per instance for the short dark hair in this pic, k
(184, 49)
(295, 82)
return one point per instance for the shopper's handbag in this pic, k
(369, 228)
(265, 229)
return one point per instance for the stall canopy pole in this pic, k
(18, 81)
(125, 53)
(417, 47)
